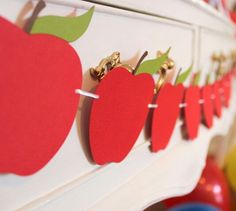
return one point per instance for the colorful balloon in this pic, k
(231, 168)
(212, 189)
(194, 207)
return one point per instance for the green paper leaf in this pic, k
(196, 78)
(208, 78)
(153, 65)
(184, 75)
(67, 28)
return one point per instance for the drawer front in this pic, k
(213, 42)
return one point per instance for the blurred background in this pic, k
(226, 6)
(216, 188)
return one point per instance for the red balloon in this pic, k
(212, 188)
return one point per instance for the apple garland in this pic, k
(40, 72)
(198, 104)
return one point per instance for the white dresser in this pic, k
(71, 181)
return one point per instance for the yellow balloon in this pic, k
(231, 168)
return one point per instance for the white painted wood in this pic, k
(164, 175)
(71, 181)
(194, 12)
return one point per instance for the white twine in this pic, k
(221, 91)
(182, 105)
(201, 101)
(87, 94)
(151, 106)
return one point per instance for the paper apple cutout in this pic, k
(217, 105)
(165, 115)
(39, 74)
(233, 71)
(226, 87)
(192, 111)
(207, 106)
(118, 116)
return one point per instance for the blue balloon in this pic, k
(194, 207)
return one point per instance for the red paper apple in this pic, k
(39, 74)
(165, 115)
(207, 106)
(118, 116)
(226, 87)
(233, 71)
(192, 111)
(217, 105)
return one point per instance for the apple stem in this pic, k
(139, 62)
(28, 26)
(180, 70)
